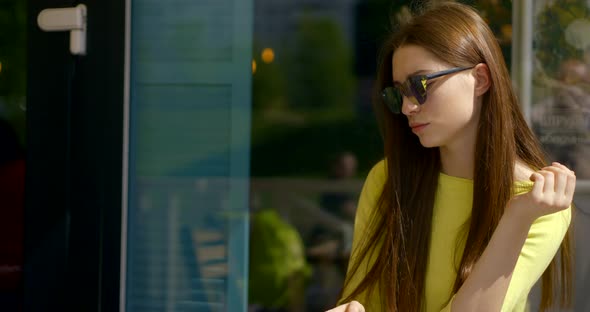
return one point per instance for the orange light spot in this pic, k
(268, 55)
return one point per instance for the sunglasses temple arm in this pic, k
(446, 72)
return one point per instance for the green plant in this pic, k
(320, 70)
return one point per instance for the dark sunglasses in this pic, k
(414, 88)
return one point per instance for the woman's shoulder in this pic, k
(372, 189)
(378, 172)
(375, 180)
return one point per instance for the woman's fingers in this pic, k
(569, 180)
(570, 186)
(553, 189)
(539, 183)
(564, 168)
(558, 187)
(549, 186)
(355, 306)
(560, 180)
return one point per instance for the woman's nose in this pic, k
(409, 107)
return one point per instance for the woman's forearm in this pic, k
(486, 286)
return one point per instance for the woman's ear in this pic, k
(483, 80)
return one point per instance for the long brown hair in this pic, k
(400, 225)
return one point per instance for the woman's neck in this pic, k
(458, 161)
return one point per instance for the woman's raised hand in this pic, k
(353, 306)
(553, 191)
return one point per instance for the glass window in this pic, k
(261, 110)
(560, 110)
(189, 156)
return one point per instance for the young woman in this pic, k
(462, 214)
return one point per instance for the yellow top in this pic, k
(452, 209)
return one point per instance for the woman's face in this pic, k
(450, 115)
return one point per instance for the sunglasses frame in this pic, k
(393, 95)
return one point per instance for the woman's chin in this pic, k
(428, 143)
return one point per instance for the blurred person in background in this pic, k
(562, 121)
(329, 247)
(344, 167)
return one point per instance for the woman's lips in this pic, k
(417, 128)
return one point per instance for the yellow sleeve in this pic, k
(540, 247)
(447, 308)
(542, 243)
(370, 193)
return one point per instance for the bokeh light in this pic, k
(268, 55)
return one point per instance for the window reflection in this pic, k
(560, 112)
(561, 108)
(314, 139)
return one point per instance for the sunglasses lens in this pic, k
(393, 99)
(417, 87)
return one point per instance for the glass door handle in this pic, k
(67, 19)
